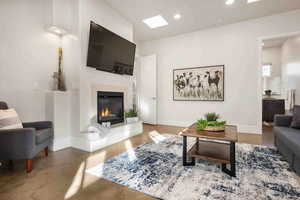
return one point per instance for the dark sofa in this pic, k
(287, 140)
(25, 143)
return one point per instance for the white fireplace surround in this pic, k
(98, 138)
(94, 137)
(109, 88)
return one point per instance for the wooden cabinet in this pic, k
(271, 107)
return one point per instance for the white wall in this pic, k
(291, 66)
(272, 56)
(234, 45)
(99, 12)
(28, 57)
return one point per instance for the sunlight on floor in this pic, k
(79, 182)
(130, 151)
(97, 158)
(156, 136)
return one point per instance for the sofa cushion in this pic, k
(42, 135)
(9, 119)
(296, 118)
(290, 137)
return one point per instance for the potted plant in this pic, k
(131, 116)
(211, 123)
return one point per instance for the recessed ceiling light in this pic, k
(155, 22)
(229, 2)
(177, 16)
(252, 1)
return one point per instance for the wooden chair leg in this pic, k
(28, 165)
(46, 151)
(10, 164)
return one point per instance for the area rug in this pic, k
(156, 169)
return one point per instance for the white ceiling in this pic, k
(196, 14)
(278, 42)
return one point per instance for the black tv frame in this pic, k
(120, 68)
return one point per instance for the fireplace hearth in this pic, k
(110, 107)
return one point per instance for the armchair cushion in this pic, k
(17, 143)
(38, 125)
(43, 135)
(9, 119)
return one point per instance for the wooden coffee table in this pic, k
(212, 146)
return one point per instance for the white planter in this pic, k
(132, 120)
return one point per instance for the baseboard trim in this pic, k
(61, 143)
(251, 129)
(81, 144)
(175, 123)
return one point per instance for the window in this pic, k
(266, 70)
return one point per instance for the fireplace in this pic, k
(110, 107)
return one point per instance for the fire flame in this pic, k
(105, 112)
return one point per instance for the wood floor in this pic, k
(61, 175)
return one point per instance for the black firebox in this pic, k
(110, 107)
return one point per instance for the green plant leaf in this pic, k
(211, 116)
(131, 113)
(201, 124)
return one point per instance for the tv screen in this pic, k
(109, 52)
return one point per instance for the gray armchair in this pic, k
(25, 143)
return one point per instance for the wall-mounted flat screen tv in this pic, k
(110, 52)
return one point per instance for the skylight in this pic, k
(252, 1)
(155, 22)
(229, 2)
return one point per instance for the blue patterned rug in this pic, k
(156, 169)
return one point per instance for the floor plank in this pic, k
(61, 174)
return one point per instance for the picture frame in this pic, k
(205, 83)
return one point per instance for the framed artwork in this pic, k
(199, 84)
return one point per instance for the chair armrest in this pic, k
(17, 143)
(38, 125)
(283, 120)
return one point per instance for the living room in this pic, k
(74, 127)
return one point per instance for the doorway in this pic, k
(280, 78)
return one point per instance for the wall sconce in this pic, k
(57, 30)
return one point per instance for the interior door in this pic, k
(147, 89)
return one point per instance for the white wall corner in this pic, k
(81, 144)
(61, 143)
(251, 129)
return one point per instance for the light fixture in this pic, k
(155, 22)
(229, 2)
(58, 31)
(252, 1)
(177, 16)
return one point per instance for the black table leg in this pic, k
(184, 154)
(232, 171)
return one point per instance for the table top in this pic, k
(230, 133)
